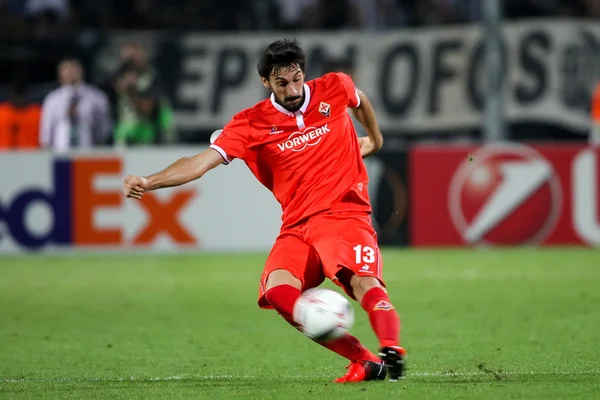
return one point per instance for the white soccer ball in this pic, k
(323, 314)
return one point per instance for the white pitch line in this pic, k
(305, 376)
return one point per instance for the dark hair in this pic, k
(281, 53)
(70, 59)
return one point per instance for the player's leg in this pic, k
(384, 319)
(287, 271)
(373, 297)
(292, 267)
(347, 246)
(283, 290)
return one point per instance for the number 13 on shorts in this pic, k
(367, 256)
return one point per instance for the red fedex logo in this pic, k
(162, 214)
(74, 201)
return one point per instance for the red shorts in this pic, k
(322, 247)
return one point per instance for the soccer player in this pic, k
(302, 146)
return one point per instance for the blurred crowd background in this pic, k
(29, 19)
(47, 46)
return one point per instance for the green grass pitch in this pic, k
(481, 324)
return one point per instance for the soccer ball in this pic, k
(323, 314)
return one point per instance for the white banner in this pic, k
(418, 80)
(50, 203)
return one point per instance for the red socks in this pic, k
(283, 297)
(350, 347)
(384, 319)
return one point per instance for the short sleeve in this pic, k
(350, 89)
(233, 140)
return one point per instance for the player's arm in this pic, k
(182, 171)
(365, 114)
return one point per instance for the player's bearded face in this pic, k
(287, 84)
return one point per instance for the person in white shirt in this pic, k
(76, 115)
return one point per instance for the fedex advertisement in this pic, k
(505, 194)
(50, 202)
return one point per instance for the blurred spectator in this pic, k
(144, 116)
(136, 55)
(132, 55)
(76, 115)
(19, 119)
(140, 106)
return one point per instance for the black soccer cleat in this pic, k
(393, 357)
(375, 371)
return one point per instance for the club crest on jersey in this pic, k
(325, 109)
(383, 306)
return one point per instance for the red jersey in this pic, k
(309, 159)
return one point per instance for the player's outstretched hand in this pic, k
(135, 186)
(367, 146)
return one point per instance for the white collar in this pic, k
(75, 88)
(279, 108)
